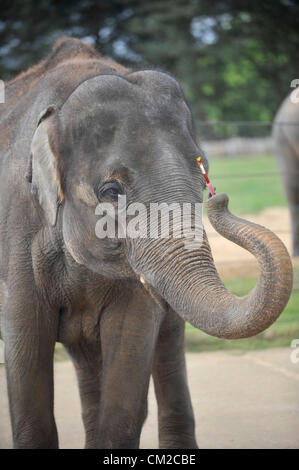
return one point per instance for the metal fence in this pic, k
(226, 129)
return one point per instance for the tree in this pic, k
(234, 58)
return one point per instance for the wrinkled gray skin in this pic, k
(70, 126)
(286, 146)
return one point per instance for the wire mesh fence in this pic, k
(225, 129)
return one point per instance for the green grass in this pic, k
(280, 333)
(248, 193)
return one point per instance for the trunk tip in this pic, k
(217, 202)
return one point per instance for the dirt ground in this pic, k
(232, 260)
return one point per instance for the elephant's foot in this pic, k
(177, 442)
(28, 436)
(113, 440)
(177, 434)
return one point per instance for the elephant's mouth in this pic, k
(154, 294)
(189, 282)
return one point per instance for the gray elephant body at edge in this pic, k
(286, 146)
(75, 130)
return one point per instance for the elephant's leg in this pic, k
(29, 334)
(87, 361)
(128, 339)
(292, 191)
(288, 162)
(176, 419)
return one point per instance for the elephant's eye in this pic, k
(110, 190)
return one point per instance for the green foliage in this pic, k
(234, 58)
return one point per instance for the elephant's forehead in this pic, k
(146, 92)
(110, 113)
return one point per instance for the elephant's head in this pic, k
(133, 135)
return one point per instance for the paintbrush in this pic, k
(209, 184)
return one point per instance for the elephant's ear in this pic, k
(44, 173)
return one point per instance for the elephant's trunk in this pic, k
(189, 282)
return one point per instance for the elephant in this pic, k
(78, 130)
(286, 145)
